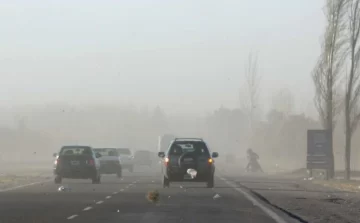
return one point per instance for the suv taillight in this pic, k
(57, 161)
(166, 161)
(91, 162)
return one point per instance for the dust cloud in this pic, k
(278, 137)
(97, 80)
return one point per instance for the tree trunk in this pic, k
(329, 127)
(347, 154)
(347, 139)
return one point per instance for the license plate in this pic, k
(188, 159)
(187, 177)
(75, 163)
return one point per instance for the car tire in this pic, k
(119, 174)
(96, 179)
(58, 180)
(166, 182)
(210, 182)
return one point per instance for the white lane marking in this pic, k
(122, 190)
(99, 202)
(255, 202)
(24, 185)
(72, 217)
(108, 197)
(115, 192)
(87, 208)
(134, 182)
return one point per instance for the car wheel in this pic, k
(58, 180)
(210, 182)
(96, 179)
(166, 182)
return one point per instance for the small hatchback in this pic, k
(184, 154)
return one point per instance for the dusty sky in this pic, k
(186, 56)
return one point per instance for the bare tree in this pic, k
(252, 78)
(352, 96)
(327, 73)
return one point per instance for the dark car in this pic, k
(110, 162)
(143, 158)
(77, 162)
(184, 154)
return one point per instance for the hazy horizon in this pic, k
(184, 56)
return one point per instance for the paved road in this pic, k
(123, 200)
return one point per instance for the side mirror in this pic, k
(215, 155)
(161, 154)
(97, 155)
(55, 154)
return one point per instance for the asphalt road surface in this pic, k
(124, 200)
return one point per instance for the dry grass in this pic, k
(352, 185)
(153, 196)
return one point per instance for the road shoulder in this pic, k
(304, 200)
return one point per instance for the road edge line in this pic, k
(255, 202)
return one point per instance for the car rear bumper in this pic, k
(127, 165)
(178, 175)
(83, 173)
(110, 168)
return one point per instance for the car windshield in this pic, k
(124, 151)
(75, 151)
(107, 152)
(179, 148)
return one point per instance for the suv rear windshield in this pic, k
(75, 150)
(199, 148)
(107, 152)
(124, 151)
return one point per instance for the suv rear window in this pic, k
(71, 151)
(199, 148)
(124, 151)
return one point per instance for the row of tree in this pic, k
(336, 75)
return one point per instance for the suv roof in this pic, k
(121, 150)
(76, 146)
(188, 139)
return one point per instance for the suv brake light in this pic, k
(57, 161)
(210, 160)
(166, 161)
(91, 162)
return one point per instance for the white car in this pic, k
(127, 158)
(110, 161)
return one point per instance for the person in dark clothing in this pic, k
(253, 160)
